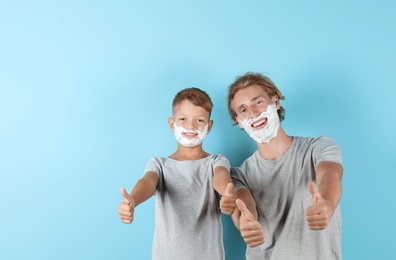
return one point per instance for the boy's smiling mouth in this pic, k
(190, 135)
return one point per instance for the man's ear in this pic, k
(236, 122)
(171, 121)
(276, 101)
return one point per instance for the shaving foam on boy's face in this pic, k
(197, 136)
(271, 120)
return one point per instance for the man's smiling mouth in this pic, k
(259, 123)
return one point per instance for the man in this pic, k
(291, 185)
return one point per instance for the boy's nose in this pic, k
(189, 125)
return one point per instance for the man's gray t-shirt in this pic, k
(187, 213)
(280, 189)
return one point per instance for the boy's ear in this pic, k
(210, 125)
(170, 123)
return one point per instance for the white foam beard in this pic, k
(179, 130)
(269, 131)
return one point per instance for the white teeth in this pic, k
(259, 122)
(265, 134)
(183, 136)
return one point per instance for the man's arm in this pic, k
(246, 196)
(328, 195)
(245, 219)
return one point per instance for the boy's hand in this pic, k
(319, 215)
(250, 229)
(126, 208)
(227, 202)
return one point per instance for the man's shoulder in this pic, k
(251, 160)
(322, 139)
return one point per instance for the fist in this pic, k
(126, 207)
(227, 202)
(250, 229)
(318, 215)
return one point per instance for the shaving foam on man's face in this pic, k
(264, 127)
(189, 138)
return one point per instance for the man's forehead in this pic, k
(246, 96)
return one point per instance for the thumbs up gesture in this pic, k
(318, 215)
(250, 229)
(126, 207)
(227, 202)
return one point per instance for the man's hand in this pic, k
(250, 229)
(227, 202)
(126, 208)
(319, 215)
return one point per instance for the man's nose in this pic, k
(255, 112)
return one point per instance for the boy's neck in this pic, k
(276, 147)
(189, 153)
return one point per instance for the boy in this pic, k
(186, 185)
(277, 181)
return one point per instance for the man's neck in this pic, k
(275, 148)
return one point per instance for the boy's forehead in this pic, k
(186, 107)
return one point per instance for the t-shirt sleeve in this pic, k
(221, 160)
(238, 178)
(325, 149)
(153, 165)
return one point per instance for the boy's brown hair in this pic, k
(196, 96)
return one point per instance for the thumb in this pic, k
(229, 189)
(315, 193)
(244, 210)
(127, 197)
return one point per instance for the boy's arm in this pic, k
(221, 178)
(328, 195)
(143, 190)
(222, 183)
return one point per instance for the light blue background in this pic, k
(86, 90)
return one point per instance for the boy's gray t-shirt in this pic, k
(280, 189)
(187, 214)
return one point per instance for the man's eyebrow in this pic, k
(241, 106)
(255, 98)
(252, 100)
